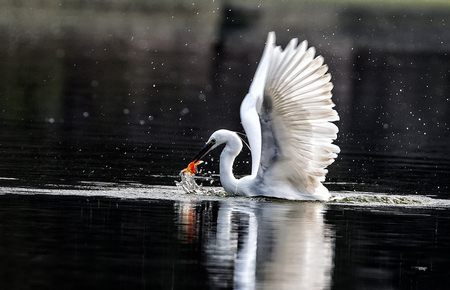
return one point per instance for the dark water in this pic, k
(96, 93)
(50, 242)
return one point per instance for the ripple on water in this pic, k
(380, 199)
(188, 190)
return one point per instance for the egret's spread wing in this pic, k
(251, 104)
(296, 115)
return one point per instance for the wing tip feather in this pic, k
(288, 67)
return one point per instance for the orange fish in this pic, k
(192, 167)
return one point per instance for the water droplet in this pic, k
(184, 111)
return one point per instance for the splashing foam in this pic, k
(188, 183)
(189, 186)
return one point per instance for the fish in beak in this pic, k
(192, 166)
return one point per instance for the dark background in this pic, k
(129, 91)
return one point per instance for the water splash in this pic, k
(189, 186)
(187, 183)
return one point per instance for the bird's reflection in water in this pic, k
(261, 245)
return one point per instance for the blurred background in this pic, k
(128, 91)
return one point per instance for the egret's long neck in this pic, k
(232, 148)
(252, 127)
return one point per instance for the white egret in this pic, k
(287, 117)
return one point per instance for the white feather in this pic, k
(294, 86)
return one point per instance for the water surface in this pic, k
(181, 241)
(99, 111)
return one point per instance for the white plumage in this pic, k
(287, 117)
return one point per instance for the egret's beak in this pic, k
(208, 146)
(192, 166)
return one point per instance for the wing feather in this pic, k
(296, 115)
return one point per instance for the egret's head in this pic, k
(217, 138)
